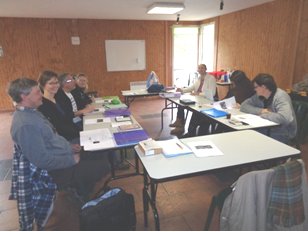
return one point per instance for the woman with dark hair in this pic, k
(49, 84)
(274, 104)
(242, 87)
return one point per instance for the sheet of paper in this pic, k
(90, 121)
(96, 139)
(254, 120)
(204, 148)
(225, 104)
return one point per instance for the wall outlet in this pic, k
(1, 52)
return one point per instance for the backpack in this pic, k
(156, 88)
(113, 210)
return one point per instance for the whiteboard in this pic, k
(125, 55)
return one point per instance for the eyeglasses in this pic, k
(53, 83)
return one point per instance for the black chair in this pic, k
(301, 112)
(217, 202)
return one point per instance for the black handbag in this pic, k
(113, 210)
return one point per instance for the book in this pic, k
(187, 101)
(214, 113)
(130, 137)
(174, 147)
(150, 147)
(129, 127)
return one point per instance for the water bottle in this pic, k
(226, 77)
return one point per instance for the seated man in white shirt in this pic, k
(205, 85)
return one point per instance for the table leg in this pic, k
(145, 197)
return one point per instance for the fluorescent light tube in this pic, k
(165, 8)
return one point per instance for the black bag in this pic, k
(156, 88)
(113, 210)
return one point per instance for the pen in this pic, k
(179, 146)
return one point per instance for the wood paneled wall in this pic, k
(261, 39)
(33, 45)
(268, 38)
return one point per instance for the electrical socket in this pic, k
(1, 52)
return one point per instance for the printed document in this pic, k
(225, 104)
(89, 121)
(204, 148)
(254, 120)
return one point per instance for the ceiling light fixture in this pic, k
(165, 8)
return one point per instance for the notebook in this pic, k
(214, 113)
(130, 137)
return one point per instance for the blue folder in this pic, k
(130, 137)
(214, 113)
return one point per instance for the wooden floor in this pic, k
(182, 204)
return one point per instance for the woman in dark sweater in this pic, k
(48, 81)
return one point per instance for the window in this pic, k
(192, 45)
(207, 45)
(185, 54)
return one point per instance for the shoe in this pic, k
(178, 131)
(177, 123)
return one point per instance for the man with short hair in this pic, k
(67, 101)
(33, 132)
(45, 148)
(204, 86)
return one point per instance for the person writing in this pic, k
(205, 86)
(274, 104)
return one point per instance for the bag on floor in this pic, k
(113, 210)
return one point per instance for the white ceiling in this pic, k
(195, 10)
